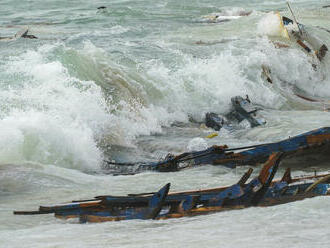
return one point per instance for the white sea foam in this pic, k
(235, 11)
(270, 24)
(197, 144)
(203, 85)
(61, 103)
(53, 115)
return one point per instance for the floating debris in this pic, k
(260, 191)
(20, 34)
(300, 151)
(296, 32)
(102, 10)
(242, 109)
(211, 135)
(214, 42)
(214, 121)
(266, 74)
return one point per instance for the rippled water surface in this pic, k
(122, 83)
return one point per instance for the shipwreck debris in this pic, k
(310, 43)
(214, 121)
(242, 109)
(299, 151)
(266, 74)
(102, 10)
(20, 34)
(260, 191)
(245, 110)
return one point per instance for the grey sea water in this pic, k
(110, 84)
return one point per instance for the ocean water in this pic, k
(114, 84)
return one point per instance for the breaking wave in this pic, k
(65, 106)
(49, 116)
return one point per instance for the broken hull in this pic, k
(146, 211)
(295, 193)
(304, 150)
(124, 207)
(291, 194)
(245, 110)
(299, 150)
(315, 47)
(260, 191)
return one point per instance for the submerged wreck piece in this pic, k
(311, 44)
(24, 34)
(151, 211)
(244, 109)
(260, 191)
(301, 151)
(102, 10)
(293, 32)
(266, 74)
(20, 34)
(214, 121)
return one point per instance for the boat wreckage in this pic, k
(296, 33)
(260, 191)
(242, 109)
(24, 33)
(301, 151)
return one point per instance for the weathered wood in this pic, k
(260, 191)
(31, 212)
(245, 177)
(287, 176)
